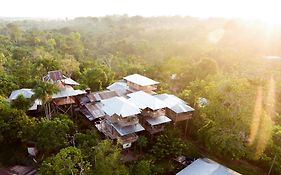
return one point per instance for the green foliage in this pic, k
(68, 161)
(168, 145)
(86, 142)
(44, 90)
(21, 103)
(98, 77)
(143, 167)
(107, 159)
(51, 135)
(142, 142)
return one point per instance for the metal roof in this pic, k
(128, 129)
(144, 100)
(35, 105)
(95, 110)
(27, 93)
(119, 85)
(119, 106)
(206, 167)
(140, 80)
(158, 120)
(68, 91)
(69, 81)
(107, 94)
(174, 103)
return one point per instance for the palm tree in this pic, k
(44, 91)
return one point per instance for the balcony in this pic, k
(130, 138)
(153, 129)
(126, 121)
(158, 113)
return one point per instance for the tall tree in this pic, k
(68, 161)
(44, 91)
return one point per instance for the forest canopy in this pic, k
(218, 66)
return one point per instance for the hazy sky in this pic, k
(248, 9)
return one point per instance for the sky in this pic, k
(267, 10)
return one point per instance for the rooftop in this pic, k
(206, 167)
(119, 106)
(158, 120)
(144, 100)
(174, 103)
(67, 91)
(140, 80)
(27, 93)
(128, 129)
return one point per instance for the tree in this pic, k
(21, 103)
(168, 145)
(51, 135)
(107, 159)
(69, 65)
(98, 78)
(86, 142)
(15, 129)
(44, 91)
(143, 167)
(68, 161)
(142, 142)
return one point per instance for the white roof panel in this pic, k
(144, 100)
(27, 93)
(35, 105)
(206, 167)
(128, 129)
(69, 81)
(140, 80)
(68, 91)
(174, 103)
(119, 106)
(158, 120)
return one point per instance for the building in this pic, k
(141, 83)
(64, 100)
(153, 116)
(206, 166)
(121, 121)
(177, 109)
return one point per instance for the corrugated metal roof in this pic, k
(107, 94)
(158, 120)
(174, 103)
(68, 91)
(119, 106)
(27, 93)
(95, 110)
(144, 100)
(128, 129)
(140, 80)
(206, 167)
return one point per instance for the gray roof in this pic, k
(158, 120)
(27, 93)
(69, 81)
(206, 167)
(128, 129)
(119, 85)
(174, 103)
(140, 80)
(95, 110)
(35, 105)
(144, 100)
(119, 106)
(68, 91)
